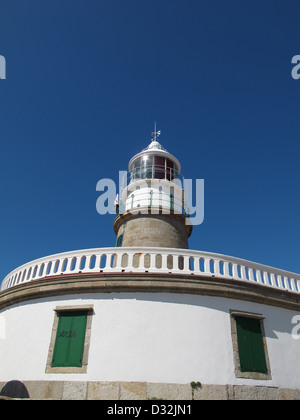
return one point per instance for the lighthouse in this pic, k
(154, 201)
(149, 318)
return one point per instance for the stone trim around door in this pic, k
(60, 309)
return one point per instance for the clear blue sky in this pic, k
(87, 79)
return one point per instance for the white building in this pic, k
(149, 318)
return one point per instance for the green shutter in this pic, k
(171, 201)
(151, 198)
(69, 344)
(119, 241)
(251, 345)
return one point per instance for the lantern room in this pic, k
(154, 162)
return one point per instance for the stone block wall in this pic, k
(153, 230)
(56, 390)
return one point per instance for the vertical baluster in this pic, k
(29, 274)
(279, 281)
(251, 276)
(97, 262)
(285, 282)
(108, 262)
(265, 277)
(15, 279)
(164, 262)
(51, 272)
(130, 261)
(293, 285)
(243, 273)
(186, 264)
(273, 280)
(77, 265)
(235, 273)
(46, 274)
(18, 278)
(289, 283)
(68, 266)
(87, 264)
(38, 271)
(175, 264)
(118, 263)
(142, 262)
(217, 267)
(152, 262)
(226, 268)
(11, 280)
(258, 276)
(23, 276)
(207, 266)
(196, 265)
(59, 267)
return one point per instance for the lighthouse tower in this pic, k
(153, 199)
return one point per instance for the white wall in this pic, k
(161, 190)
(148, 337)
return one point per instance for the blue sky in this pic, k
(85, 82)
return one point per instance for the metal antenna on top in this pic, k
(155, 133)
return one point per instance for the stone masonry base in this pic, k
(58, 390)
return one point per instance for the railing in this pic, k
(152, 172)
(156, 188)
(153, 260)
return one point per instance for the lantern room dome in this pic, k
(154, 148)
(154, 162)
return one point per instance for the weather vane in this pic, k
(155, 133)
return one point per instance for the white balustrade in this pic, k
(152, 260)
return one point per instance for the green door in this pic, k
(251, 346)
(69, 343)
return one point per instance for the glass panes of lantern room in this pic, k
(153, 167)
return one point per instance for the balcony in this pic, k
(153, 260)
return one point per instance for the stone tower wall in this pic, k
(153, 230)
